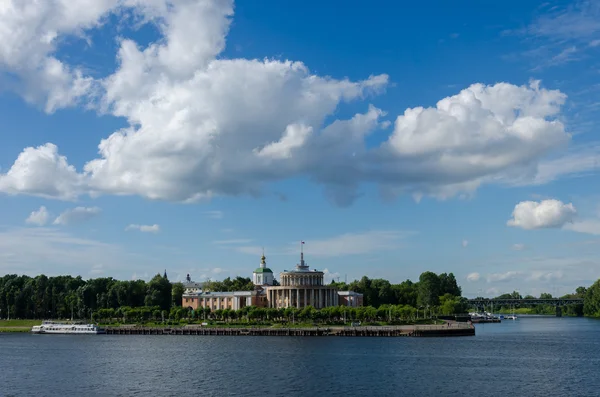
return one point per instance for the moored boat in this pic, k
(50, 327)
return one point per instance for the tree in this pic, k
(448, 285)
(428, 289)
(177, 294)
(159, 292)
(591, 302)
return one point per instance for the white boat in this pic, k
(50, 327)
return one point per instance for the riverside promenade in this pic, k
(452, 329)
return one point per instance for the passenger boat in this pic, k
(50, 327)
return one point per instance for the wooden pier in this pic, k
(391, 331)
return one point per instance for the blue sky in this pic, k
(393, 140)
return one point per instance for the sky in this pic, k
(189, 135)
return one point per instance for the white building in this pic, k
(262, 276)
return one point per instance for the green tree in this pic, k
(159, 292)
(591, 302)
(177, 293)
(448, 285)
(428, 289)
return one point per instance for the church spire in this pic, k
(263, 259)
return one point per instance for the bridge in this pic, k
(499, 302)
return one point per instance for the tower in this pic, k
(262, 275)
(302, 266)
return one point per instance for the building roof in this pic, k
(216, 294)
(349, 293)
(263, 270)
(296, 271)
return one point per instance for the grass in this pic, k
(18, 325)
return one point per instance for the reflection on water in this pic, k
(527, 357)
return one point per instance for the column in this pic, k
(298, 298)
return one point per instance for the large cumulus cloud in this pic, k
(201, 126)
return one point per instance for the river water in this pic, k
(527, 357)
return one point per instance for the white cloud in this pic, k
(465, 243)
(579, 161)
(97, 270)
(518, 247)
(201, 125)
(329, 276)
(345, 244)
(492, 291)
(580, 20)
(473, 277)
(502, 277)
(562, 30)
(236, 241)
(588, 226)
(544, 214)
(39, 217)
(50, 251)
(144, 228)
(41, 171)
(355, 243)
(545, 276)
(214, 214)
(76, 215)
(253, 250)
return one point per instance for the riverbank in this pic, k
(452, 329)
(17, 325)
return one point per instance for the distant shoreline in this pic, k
(358, 331)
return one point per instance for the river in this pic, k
(544, 356)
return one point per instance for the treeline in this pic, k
(568, 310)
(236, 284)
(259, 315)
(428, 291)
(65, 296)
(591, 305)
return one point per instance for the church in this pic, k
(299, 287)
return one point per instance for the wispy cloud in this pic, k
(214, 214)
(561, 34)
(502, 277)
(342, 245)
(51, 251)
(473, 277)
(97, 270)
(76, 215)
(233, 241)
(144, 228)
(39, 217)
(578, 161)
(518, 247)
(588, 226)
